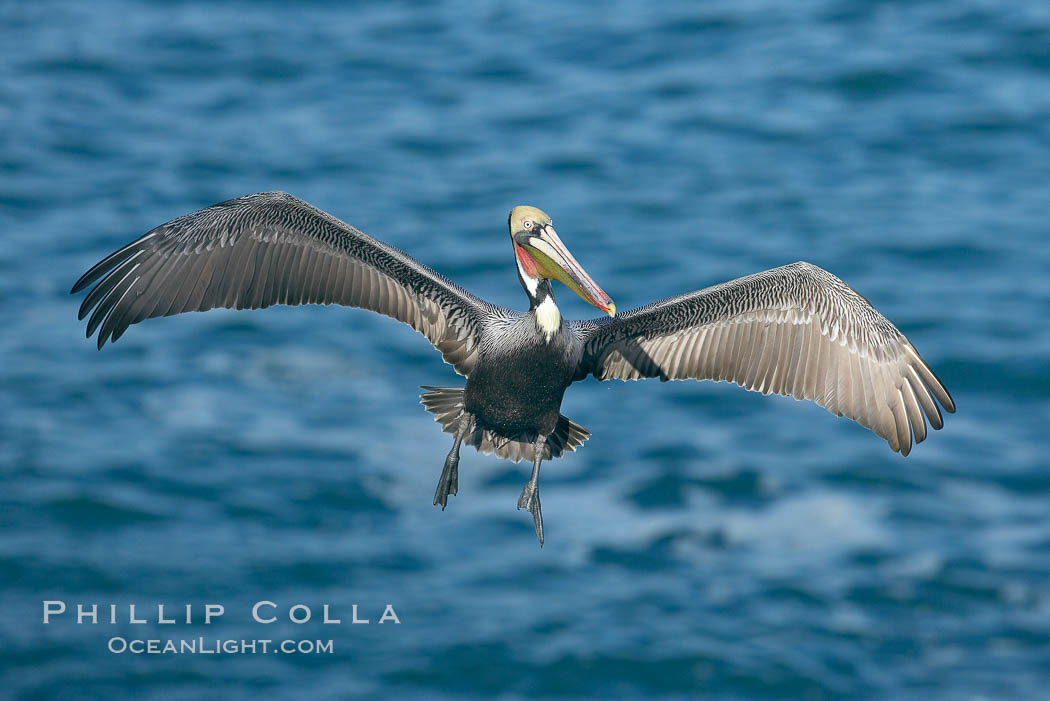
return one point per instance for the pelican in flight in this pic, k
(796, 330)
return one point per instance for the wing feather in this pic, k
(272, 248)
(933, 412)
(116, 288)
(796, 330)
(769, 364)
(915, 417)
(104, 288)
(754, 354)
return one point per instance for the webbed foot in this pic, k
(530, 499)
(449, 481)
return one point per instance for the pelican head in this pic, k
(542, 256)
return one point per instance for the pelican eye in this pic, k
(527, 223)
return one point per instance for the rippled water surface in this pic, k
(706, 542)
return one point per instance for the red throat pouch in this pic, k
(528, 263)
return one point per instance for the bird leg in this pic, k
(530, 495)
(449, 481)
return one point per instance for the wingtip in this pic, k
(82, 282)
(934, 382)
(85, 308)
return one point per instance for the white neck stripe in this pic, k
(548, 318)
(532, 283)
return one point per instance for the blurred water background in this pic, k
(707, 542)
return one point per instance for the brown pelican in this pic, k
(796, 330)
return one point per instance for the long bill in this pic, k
(554, 261)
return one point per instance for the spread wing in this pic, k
(273, 248)
(796, 330)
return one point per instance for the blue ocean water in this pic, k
(706, 542)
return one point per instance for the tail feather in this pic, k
(446, 404)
